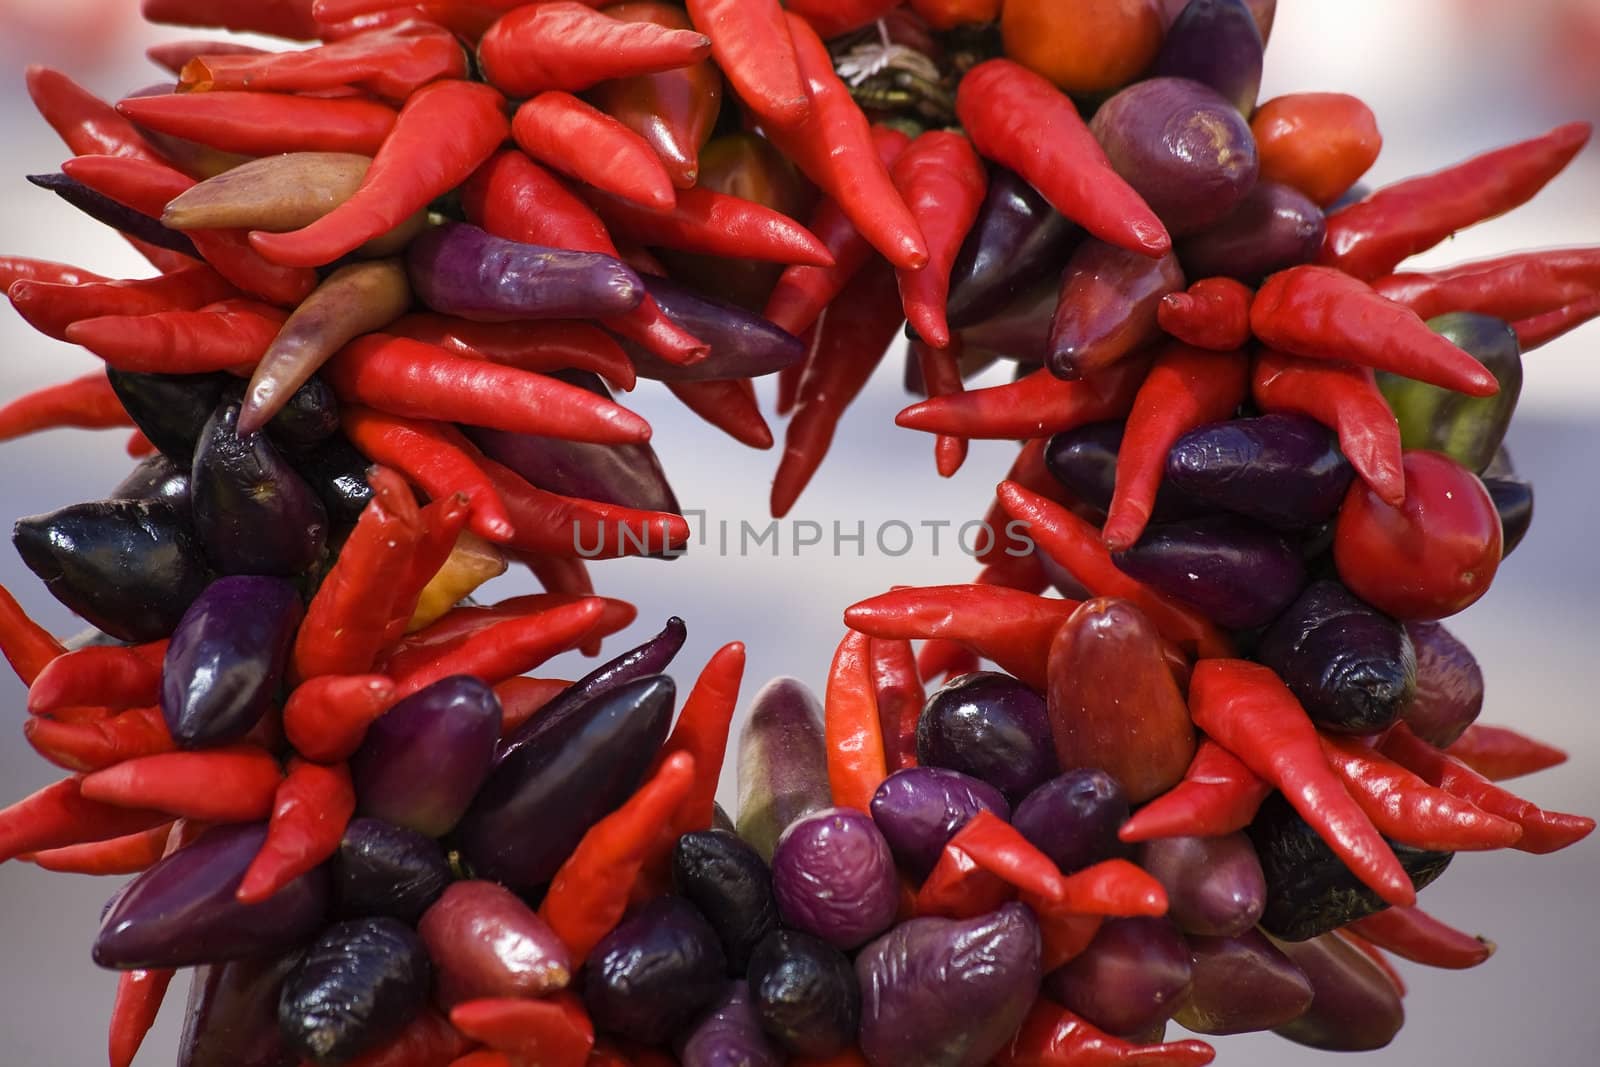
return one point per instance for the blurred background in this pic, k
(1447, 78)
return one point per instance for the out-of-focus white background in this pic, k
(1447, 78)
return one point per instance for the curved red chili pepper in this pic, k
(898, 689)
(89, 125)
(87, 403)
(831, 18)
(134, 1011)
(553, 1032)
(310, 810)
(18, 268)
(444, 524)
(431, 460)
(571, 47)
(427, 1040)
(26, 645)
(510, 648)
(1036, 405)
(958, 888)
(223, 336)
(326, 717)
(1218, 795)
(128, 854)
(943, 183)
(1508, 287)
(60, 815)
(941, 376)
(753, 44)
(233, 783)
(702, 731)
(1213, 313)
(1052, 1036)
(1542, 329)
(265, 123)
(536, 345)
(455, 626)
(1498, 753)
(568, 135)
(850, 726)
(51, 307)
(109, 676)
(554, 525)
(1413, 934)
(522, 697)
(717, 224)
(391, 63)
(729, 405)
(278, 18)
(101, 742)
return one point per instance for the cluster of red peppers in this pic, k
(459, 217)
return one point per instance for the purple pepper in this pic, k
(1107, 307)
(1354, 1006)
(1216, 43)
(647, 979)
(919, 809)
(1017, 238)
(383, 869)
(1019, 331)
(356, 986)
(1449, 691)
(991, 726)
(1240, 985)
(232, 1018)
(743, 344)
(103, 209)
(1085, 461)
(729, 1035)
(833, 876)
(1232, 571)
(485, 942)
(805, 993)
(1074, 818)
(1214, 885)
(226, 661)
(782, 763)
(1273, 228)
(1132, 977)
(1283, 470)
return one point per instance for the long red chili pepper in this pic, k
(831, 18)
(134, 1011)
(1246, 709)
(568, 135)
(50, 307)
(834, 148)
(1344, 398)
(1010, 627)
(88, 125)
(1413, 934)
(510, 648)
(174, 54)
(234, 783)
(234, 333)
(851, 340)
(941, 376)
(552, 1032)
(310, 809)
(1367, 239)
(427, 1040)
(1052, 1036)
(569, 46)
(1076, 545)
(392, 63)
(1030, 472)
(1404, 808)
(265, 123)
(26, 645)
(943, 183)
(417, 380)
(87, 403)
(958, 888)
(59, 815)
(278, 18)
(550, 524)
(729, 405)
(1498, 753)
(590, 892)
(702, 732)
(1542, 831)
(128, 854)
(898, 690)
(1539, 330)
(1186, 387)
(17, 268)
(326, 717)
(1036, 405)
(537, 345)
(110, 676)
(430, 459)
(458, 624)
(1508, 287)
(850, 725)
(999, 848)
(444, 524)
(96, 743)
(1018, 119)
(1113, 888)
(1213, 313)
(753, 44)
(718, 224)
(413, 166)
(1217, 796)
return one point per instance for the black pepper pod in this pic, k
(1283, 470)
(1513, 499)
(358, 985)
(1236, 573)
(651, 976)
(383, 869)
(156, 478)
(992, 727)
(805, 993)
(337, 473)
(169, 409)
(232, 1018)
(1084, 460)
(1351, 667)
(129, 567)
(1309, 889)
(1017, 239)
(729, 882)
(310, 417)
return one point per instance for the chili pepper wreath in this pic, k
(400, 271)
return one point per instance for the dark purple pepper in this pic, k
(124, 219)
(226, 661)
(169, 409)
(232, 1018)
(1017, 238)
(1449, 691)
(541, 799)
(1283, 470)
(729, 882)
(1352, 667)
(129, 567)
(991, 726)
(156, 478)
(253, 512)
(423, 760)
(1233, 572)
(182, 911)
(1216, 43)
(383, 869)
(1513, 499)
(729, 1035)
(1132, 977)
(310, 417)
(651, 976)
(357, 986)
(1084, 460)
(833, 876)
(1241, 984)
(337, 473)
(1074, 817)
(743, 344)
(485, 942)
(1020, 331)
(947, 992)
(920, 808)
(805, 994)
(1354, 1006)
(1275, 227)
(1107, 307)
(1214, 885)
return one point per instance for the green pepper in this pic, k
(1467, 429)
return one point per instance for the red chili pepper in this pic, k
(310, 810)
(803, 292)
(941, 376)
(417, 380)
(87, 403)
(898, 689)
(277, 18)
(549, 524)
(568, 135)
(26, 645)
(1036, 405)
(50, 307)
(1076, 545)
(100, 742)
(265, 123)
(999, 848)
(568, 46)
(948, 14)
(753, 44)
(1498, 753)
(444, 523)
(534, 345)
(134, 1011)
(1542, 831)
(521, 699)
(139, 446)
(60, 815)
(849, 1057)
(223, 336)
(110, 676)
(1509, 287)
(718, 224)
(510, 648)
(88, 125)
(552, 1032)
(1063, 935)
(1029, 471)
(831, 18)
(1052, 1036)
(1246, 709)
(1322, 313)
(850, 342)
(702, 732)
(1186, 387)
(1406, 809)
(943, 183)
(391, 63)
(431, 460)
(488, 1058)
(128, 854)
(1012, 628)
(1217, 796)
(412, 168)
(455, 626)
(1413, 934)
(18, 268)
(1539, 330)
(958, 888)
(728, 405)
(850, 724)
(590, 892)
(1018, 119)
(174, 54)
(326, 717)
(427, 1041)
(513, 197)
(233, 783)
(1112, 888)
(1344, 398)
(1214, 313)
(1373, 953)
(1367, 239)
